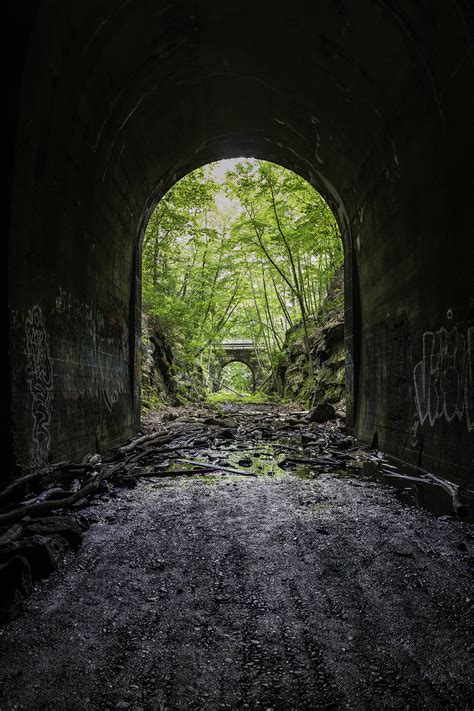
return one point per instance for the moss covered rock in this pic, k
(326, 335)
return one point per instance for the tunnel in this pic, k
(112, 102)
(246, 365)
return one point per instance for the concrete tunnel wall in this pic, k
(370, 101)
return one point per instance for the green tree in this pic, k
(244, 256)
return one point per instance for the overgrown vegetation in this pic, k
(238, 250)
(237, 376)
(225, 396)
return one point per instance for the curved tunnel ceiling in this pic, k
(168, 88)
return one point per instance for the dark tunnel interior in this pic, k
(316, 587)
(114, 102)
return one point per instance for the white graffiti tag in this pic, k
(39, 376)
(444, 378)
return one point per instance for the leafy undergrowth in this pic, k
(151, 398)
(224, 396)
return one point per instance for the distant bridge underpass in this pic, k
(238, 351)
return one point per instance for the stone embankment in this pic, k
(326, 335)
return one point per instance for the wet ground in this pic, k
(301, 587)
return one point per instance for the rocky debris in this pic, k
(16, 585)
(42, 554)
(315, 440)
(158, 384)
(326, 335)
(221, 421)
(31, 550)
(58, 527)
(322, 413)
(126, 480)
(228, 441)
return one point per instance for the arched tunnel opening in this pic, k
(242, 262)
(273, 591)
(237, 376)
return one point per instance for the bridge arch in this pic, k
(238, 351)
(227, 361)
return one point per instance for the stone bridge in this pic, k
(238, 351)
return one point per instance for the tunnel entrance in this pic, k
(258, 592)
(243, 262)
(113, 103)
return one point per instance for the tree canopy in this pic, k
(238, 249)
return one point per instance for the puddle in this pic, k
(262, 460)
(289, 457)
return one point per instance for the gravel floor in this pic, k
(221, 593)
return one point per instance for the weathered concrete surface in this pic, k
(369, 101)
(262, 593)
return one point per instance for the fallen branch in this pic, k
(47, 506)
(147, 452)
(216, 468)
(144, 440)
(59, 471)
(227, 387)
(319, 461)
(11, 535)
(170, 473)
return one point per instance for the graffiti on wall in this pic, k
(39, 376)
(76, 359)
(444, 377)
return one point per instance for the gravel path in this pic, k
(250, 593)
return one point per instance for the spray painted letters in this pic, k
(39, 376)
(444, 378)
